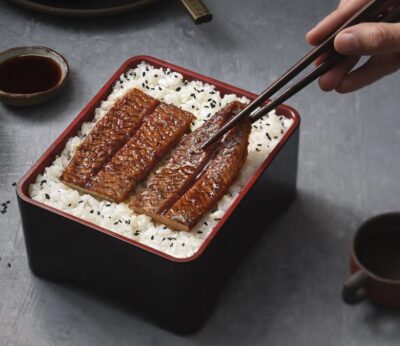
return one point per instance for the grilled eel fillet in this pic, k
(181, 172)
(107, 137)
(158, 134)
(212, 184)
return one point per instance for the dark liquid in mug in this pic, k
(380, 254)
(29, 74)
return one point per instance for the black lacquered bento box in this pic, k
(178, 294)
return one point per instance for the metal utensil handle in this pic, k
(197, 10)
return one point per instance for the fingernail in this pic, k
(347, 43)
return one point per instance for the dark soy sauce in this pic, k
(380, 253)
(29, 74)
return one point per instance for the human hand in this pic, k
(380, 41)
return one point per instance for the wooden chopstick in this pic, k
(369, 12)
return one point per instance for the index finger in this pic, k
(324, 28)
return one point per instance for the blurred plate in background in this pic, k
(83, 8)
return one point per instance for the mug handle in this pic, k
(354, 290)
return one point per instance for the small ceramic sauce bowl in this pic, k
(32, 97)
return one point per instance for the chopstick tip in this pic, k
(205, 145)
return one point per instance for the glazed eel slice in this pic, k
(110, 133)
(158, 134)
(185, 164)
(214, 181)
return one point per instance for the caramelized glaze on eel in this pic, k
(193, 180)
(125, 145)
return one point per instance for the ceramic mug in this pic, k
(375, 262)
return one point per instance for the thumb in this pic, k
(369, 39)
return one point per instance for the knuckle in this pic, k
(378, 37)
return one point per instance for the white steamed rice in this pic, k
(200, 99)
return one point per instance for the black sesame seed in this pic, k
(47, 196)
(152, 237)
(147, 69)
(269, 137)
(206, 223)
(178, 89)
(98, 213)
(159, 88)
(199, 232)
(9, 265)
(183, 244)
(69, 204)
(116, 223)
(172, 244)
(143, 74)
(14, 184)
(156, 76)
(80, 202)
(91, 212)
